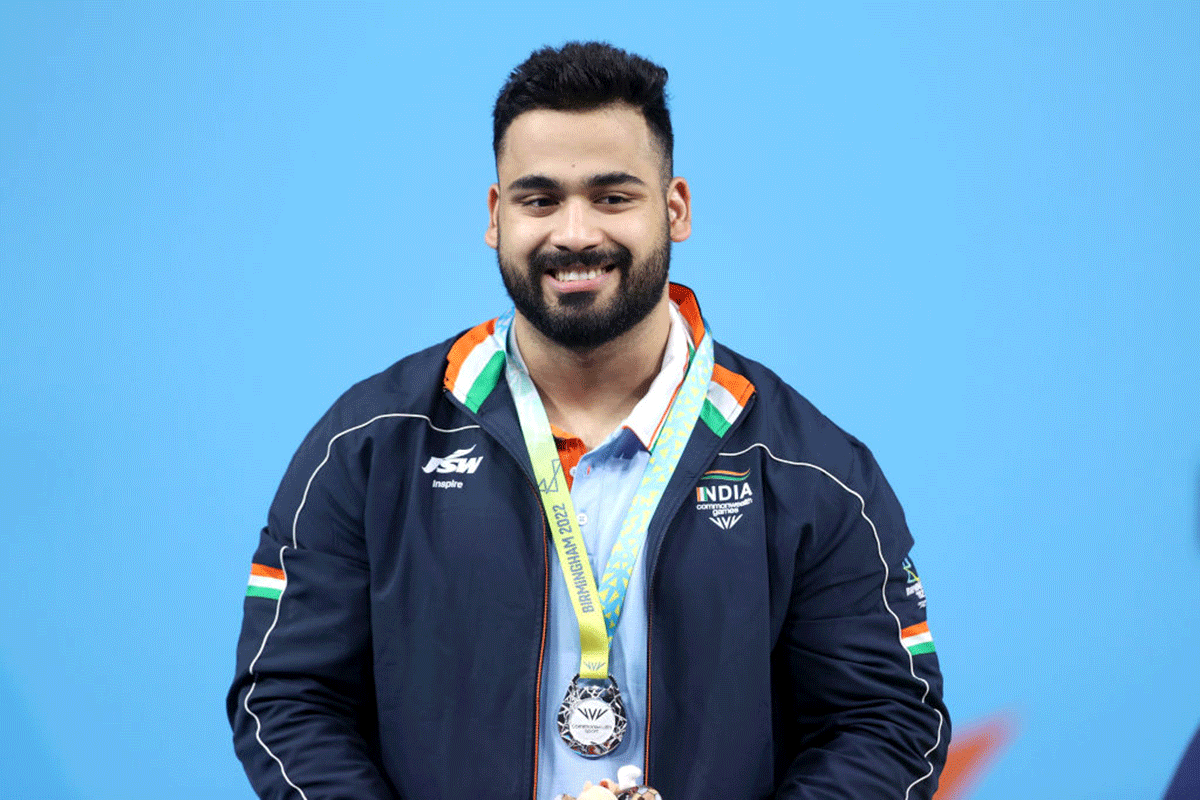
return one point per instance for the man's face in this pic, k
(587, 221)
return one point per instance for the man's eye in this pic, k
(613, 199)
(537, 202)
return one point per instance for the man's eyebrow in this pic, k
(613, 179)
(540, 183)
(533, 183)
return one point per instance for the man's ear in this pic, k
(492, 234)
(679, 209)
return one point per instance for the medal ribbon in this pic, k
(598, 609)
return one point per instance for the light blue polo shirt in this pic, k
(603, 485)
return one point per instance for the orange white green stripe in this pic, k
(475, 364)
(728, 393)
(724, 475)
(266, 582)
(917, 639)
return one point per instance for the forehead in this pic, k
(563, 144)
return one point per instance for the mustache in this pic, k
(618, 257)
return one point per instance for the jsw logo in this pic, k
(454, 462)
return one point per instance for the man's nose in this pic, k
(576, 226)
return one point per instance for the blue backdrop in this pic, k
(967, 232)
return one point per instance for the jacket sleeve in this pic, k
(865, 695)
(302, 703)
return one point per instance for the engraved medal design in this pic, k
(591, 719)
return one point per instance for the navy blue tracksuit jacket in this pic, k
(393, 631)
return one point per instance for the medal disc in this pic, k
(591, 719)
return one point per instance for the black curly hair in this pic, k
(582, 76)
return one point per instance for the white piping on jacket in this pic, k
(282, 566)
(883, 592)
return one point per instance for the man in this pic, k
(582, 535)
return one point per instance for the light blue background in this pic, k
(968, 232)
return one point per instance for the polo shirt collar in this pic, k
(650, 412)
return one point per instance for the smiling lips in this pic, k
(577, 280)
(566, 276)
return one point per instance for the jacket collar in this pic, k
(475, 364)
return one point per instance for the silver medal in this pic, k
(591, 719)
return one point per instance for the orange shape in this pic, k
(971, 751)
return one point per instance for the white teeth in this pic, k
(567, 277)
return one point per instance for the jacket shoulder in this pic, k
(410, 383)
(331, 466)
(409, 388)
(786, 423)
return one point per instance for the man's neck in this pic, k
(590, 392)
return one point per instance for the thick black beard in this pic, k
(577, 324)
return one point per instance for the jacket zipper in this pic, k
(537, 699)
(649, 646)
(537, 694)
(650, 635)
(649, 687)
(650, 600)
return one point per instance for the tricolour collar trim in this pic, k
(728, 394)
(475, 364)
(685, 299)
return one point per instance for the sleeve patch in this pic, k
(917, 639)
(266, 582)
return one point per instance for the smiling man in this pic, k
(588, 213)
(584, 536)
